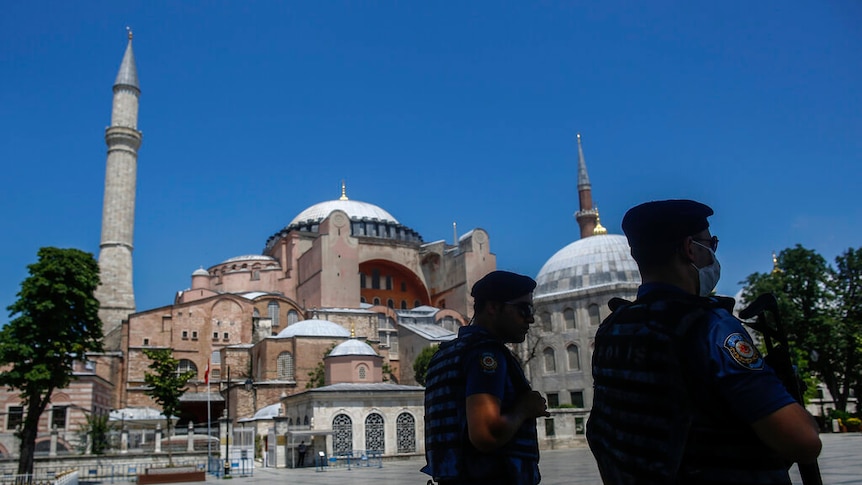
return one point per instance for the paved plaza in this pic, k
(840, 463)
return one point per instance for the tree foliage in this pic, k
(95, 432)
(165, 384)
(420, 363)
(317, 376)
(820, 310)
(53, 323)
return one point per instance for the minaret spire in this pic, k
(586, 215)
(343, 191)
(116, 294)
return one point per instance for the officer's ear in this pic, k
(686, 250)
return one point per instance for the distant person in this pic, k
(480, 412)
(682, 395)
(301, 450)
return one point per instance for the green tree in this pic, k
(811, 297)
(53, 323)
(847, 286)
(317, 376)
(166, 384)
(95, 430)
(420, 363)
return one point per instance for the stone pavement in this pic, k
(840, 463)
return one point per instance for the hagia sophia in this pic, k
(344, 289)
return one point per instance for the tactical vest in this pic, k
(644, 426)
(448, 450)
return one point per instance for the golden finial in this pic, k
(579, 137)
(599, 229)
(352, 330)
(343, 191)
(775, 268)
(129, 30)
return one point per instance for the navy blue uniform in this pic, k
(475, 363)
(678, 383)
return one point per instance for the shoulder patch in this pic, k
(488, 362)
(743, 351)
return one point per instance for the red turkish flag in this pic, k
(207, 374)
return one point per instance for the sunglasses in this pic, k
(712, 242)
(524, 308)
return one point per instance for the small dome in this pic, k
(353, 208)
(352, 347)
(314, 328)
(268, 412)
(588, 263)
(248, 257)
(200, 272)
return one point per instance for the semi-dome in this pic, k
(587, 264)
(353, 208)
(314, 328)
(352, 347)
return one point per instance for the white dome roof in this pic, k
(352, 347)
(200, 272)
(314, 328)
(588, 263)
(354, 209)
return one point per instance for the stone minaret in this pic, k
(587, 216)
(116, 295)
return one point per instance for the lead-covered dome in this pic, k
(314, 328)
(587, 264)
(352, 347)
(353, 208)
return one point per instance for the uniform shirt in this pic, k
(487, 372)
(727, 370)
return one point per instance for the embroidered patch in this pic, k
(489, 363)
(743, 351)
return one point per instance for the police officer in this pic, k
(480, 412)
(682, 394)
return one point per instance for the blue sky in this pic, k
(439, 112)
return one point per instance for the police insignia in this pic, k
(743, 351)
(488, 362)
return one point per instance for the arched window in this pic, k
(284, 366)
(574, 357)
(595, 319)
(417, 303)
(546, 322)
(342, 434)
(569, 316)
(185, 365)
(305, 421)
(403, 304)
(362, 372)
(374, 433)
(390, 303)
(362, 282)
(292, 317)
(272, 308)
(405, 428)
(550, 361)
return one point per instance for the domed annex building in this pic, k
(571, 297)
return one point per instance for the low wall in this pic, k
(125, 465)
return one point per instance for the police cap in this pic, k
(664, 222)
(502, 286)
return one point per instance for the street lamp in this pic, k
(252, 388)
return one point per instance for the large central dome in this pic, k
(354, 209)
(587, 264)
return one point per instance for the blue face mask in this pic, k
(709, 275)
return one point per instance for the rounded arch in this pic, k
(387, 280)
(342, 433)
(569, 318)
(186, 365)
(405, 430)
(549, 358)
(445, 313)
(375, 434)
(573, 357)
